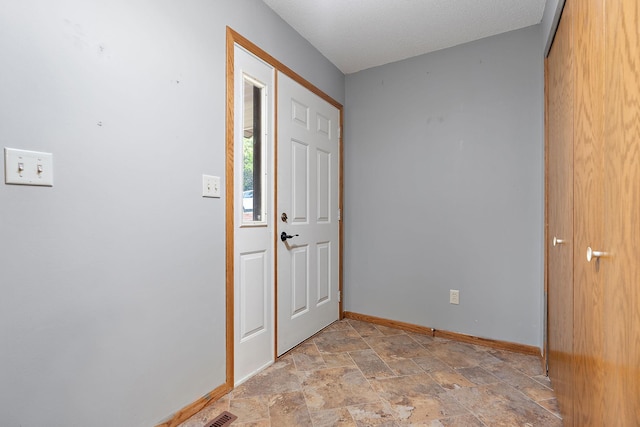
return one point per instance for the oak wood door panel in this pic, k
(588, 212)
(560, 98)
(560, 106)
(621, 270)
(601, 49)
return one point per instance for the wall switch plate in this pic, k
(454, 296)
(24, 167)
(210, 186)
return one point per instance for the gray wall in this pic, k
(444, 189)
(112, 282)
(550, 19)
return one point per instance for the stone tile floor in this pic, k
(355, 373)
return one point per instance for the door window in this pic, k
(253, 158)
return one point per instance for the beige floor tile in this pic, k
(389, 331)
(370, 364)
(502, 405)
(339, 341)
(522, 382)
(461, 421)
(281, 377)
(404, 367)
(430, 363)
(354, 373)
(307, 357)
(373, 414)
(426, 339)
(365, 329)
(337, 360)
(289, 409)
(338, 326)
(551, 405)
(250, 409)
(458, 355)
(393, 347)
(528, 364)
(417, 398)
(338, 417)
(544, 380)
(478, 375)
(451, 379)
(260, 423)
(337, 387)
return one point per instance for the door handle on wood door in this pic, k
(284, 236)
(594, 254)
(557, 241)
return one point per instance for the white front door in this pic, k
(308, 210)
(253, 215)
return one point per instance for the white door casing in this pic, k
(254, 332)
(308, 194)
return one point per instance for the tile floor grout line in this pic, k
(467, 408)
(268, 399)
(382, 400)
(306, 406)
(552, 413)
(525, 395)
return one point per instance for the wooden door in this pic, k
(560, 97)
(588, 212)
(606, 213)
(621, 269)
(308, 211)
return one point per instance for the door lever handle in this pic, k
(284, 236)
(594, 254)
(557, 241)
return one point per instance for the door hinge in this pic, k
(339, 296)
(339, 214)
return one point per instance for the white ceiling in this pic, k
(360, 34)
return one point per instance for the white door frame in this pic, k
(234, 38)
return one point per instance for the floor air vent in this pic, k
(222, 420)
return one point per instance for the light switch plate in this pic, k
(24, 167)
(210, 186)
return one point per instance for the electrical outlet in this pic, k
(210, 186)
(454, 296)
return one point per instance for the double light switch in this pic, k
(28, 167)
